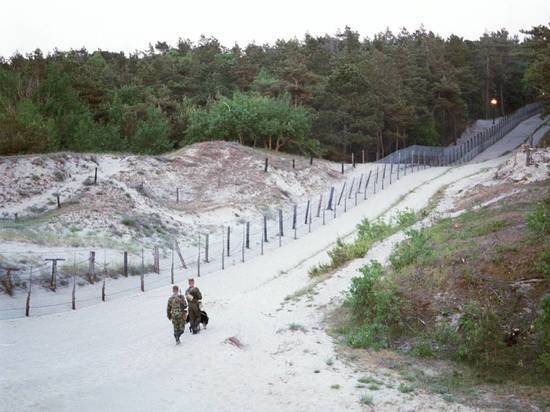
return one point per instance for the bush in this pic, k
(481, 337)
(538, 221)
(375, 308)
(542, 263)
(542, 330)
(412, 250)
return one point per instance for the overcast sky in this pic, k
(124, 25)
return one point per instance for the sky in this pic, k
(123, 25)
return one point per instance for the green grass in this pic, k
(405, 388)
(368, 233)
(366, 400)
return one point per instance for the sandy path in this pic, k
(121, 355)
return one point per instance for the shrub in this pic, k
(481, 336)
(542, 263)
(412, 250)
(538, 221)
(375, 308)
(542, 330)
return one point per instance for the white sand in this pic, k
(121, 356)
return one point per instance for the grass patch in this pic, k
(297, 327)
(366, 400)
(368, 233)
(405, 388)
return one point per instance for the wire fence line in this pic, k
(241, 241)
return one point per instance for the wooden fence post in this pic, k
(248, 235)
(294, 163)
(341, 193)
(311, 161)
(228, 241)
(307, 212)
(360, 183)
(398, 164)
(199, 258)
(177, 195)
(244, 242)
(319, 205)
(91, 268)
(262, 240)
(383, 175)
(353, 160)
(28, 302)
(265, 229)
(223, 248)
(58, 200)
(103, 291)
(391, 171)
(142, 276)
(363, 156)
(125, 263)
(310, 219)
(281, 232)
(73, 294)
(351, 187)
(266, 164)
(180, 256)
(342, 167)
(172, 266)
(324, 210)
(367, 184)
(330, 198)
(376, 180)
(207, 248)
(53, 280)
(95, 176)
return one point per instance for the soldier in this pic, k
(194, 297)
(177, 312)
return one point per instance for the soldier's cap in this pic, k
(191, 280)
(175, 288)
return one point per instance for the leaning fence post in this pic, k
(367, 184)
(360, 183)
(172, 266)
(310, 218)
(341, 193)
(391, 171)
(324, 210)
(384, 175)
(376, 181)
(206, 248)
(58, 200)
(307, 212)
(319, 205)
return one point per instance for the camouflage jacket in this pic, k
(176, 306)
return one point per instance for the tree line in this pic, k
(325, 96)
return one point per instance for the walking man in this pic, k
(194, 298)
(177, 312)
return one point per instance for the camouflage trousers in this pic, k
(179, 325)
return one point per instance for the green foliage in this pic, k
(414, 249)
(334, 93)
(367, 234)
(375, 308)
(538, 221)
(542, 263)
(481, 337)
(271, 122)
(542, 329)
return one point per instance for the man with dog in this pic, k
(194, 298)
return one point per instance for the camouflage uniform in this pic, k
(194, 308)
(176, 312)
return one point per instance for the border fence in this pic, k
(232, 244)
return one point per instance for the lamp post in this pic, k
(494, 106)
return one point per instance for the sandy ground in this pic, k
(121, 355)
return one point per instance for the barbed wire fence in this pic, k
(234, 243)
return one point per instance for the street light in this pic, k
(494, 105)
